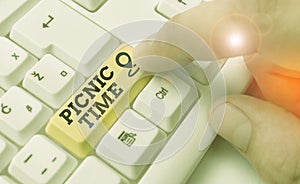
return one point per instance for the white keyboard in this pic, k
(72, 111)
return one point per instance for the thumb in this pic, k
(267, 135)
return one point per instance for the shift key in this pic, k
(80, 123)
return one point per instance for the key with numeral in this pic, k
(18, 128)
(52, 81)
(42, 161)
(14, 62)
(53, 27)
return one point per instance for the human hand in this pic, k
(266, 134)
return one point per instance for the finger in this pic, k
(278, 85)
(211, 30)
(267, 135)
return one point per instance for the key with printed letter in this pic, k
(34, 115)
(14, 62)
(94, 107)
(52, 81)
(53, 27)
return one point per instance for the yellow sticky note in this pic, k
(81, 122)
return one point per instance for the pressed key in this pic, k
(51, 80)
(42, 161)
(6, 180)
(90, 5)
(92, 170)
(165, 100)
(21, 115)
(11, 11)
(14, 62)
(170, 8)
(53, 27)
(85, 117)
(132, 141)
(7, 151)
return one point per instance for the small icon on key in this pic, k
(127, 138)
(181, 1)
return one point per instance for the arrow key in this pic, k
(53, 27)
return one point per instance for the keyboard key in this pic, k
(14, 62)
(93, 108)
(53, 27)
(11, 11)
(42, 161)
(170, 8)
(7, 151)
(132, 141)
(6, 180)
(21, 115)
(164, 101)
(52, 81)
(91, 5)
(92, 170)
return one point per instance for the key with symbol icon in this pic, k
(53, 27)
(165, 100)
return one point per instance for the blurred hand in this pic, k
(267, 33)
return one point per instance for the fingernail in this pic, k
(236, 126)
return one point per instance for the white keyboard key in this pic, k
(42, 161)
(53, 27)
(14, 62)
(170, 8)
(164, 101)
(92, 170)
(51, 80)
(21, 115)
(7, 151)
(6, 180)
(131, 141)
(11, 11)
(91, 5)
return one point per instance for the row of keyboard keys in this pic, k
(14, 63)
(34, 115)
(53, 27)
(52, 81)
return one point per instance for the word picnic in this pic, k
(94, 98)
